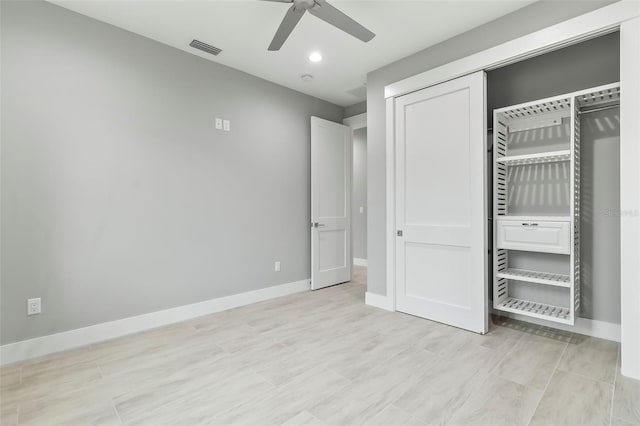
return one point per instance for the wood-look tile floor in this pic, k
(325, 358)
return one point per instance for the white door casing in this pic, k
(330, 203)
(441, 203)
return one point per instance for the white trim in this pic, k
(571, 31)
(588, 327)
(359, 262)
(356, 122)
(378, 301)
(39, 346)
(391, 202)
(630, 196)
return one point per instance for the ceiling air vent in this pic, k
(358, 92)
(205, 47)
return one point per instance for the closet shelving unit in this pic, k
(537, 203)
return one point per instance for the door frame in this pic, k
(355, 122)
(622, 16)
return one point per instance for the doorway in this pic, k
(358, 124)
(359, 198)
(359, 208)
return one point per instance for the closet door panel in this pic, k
(441, 242)
(441, 263)
(431, 145)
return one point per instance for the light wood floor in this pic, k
(326, 358)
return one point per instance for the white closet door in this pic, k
(441, 241)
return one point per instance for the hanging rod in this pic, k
(599, 109)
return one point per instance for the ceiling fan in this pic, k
(321, 9)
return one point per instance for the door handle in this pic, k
(317, 225)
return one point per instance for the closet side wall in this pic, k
(591, 63)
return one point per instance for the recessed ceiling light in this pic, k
(315, 57)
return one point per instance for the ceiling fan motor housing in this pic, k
(304, 4)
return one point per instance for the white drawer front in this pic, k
(542, 236)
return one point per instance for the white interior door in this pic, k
(330, 203)
(441, 241)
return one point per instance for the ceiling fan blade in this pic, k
(286, 26)
(333, 16)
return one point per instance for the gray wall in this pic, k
(600, 220)
(118, 195)
(587, 64)
(359, 194)
(355, 109)
(526, 20)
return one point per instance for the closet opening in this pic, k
(554, 180)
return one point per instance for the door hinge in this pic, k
(399, 233)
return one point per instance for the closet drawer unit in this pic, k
(541, 236)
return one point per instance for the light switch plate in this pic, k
(218, 123)
(34, 306)
(226, 125)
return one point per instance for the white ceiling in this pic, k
(243, 29)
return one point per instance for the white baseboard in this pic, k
(378, 301)
(39, 346)
(359, 262)
(588, 327)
